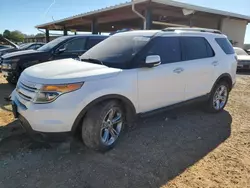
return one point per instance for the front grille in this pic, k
(26, 91)
(244, 62)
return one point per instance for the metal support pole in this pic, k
(94, 26)
(47, 35)
(148, 17)
(65, 32)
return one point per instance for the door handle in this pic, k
(178, 70)
(215, 63)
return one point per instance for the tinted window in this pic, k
(75, 45)
(32, 47)
(196, 48)
(168, 48)
(49, 46)
(92, 42)
(225, 45)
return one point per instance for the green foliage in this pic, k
(40, 35)
(15, 36)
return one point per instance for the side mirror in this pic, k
(153, 61)
(61, 50)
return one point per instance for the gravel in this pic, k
(184, 148)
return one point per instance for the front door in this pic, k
(162, 85)
(72, 49)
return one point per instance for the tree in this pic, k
(16, 36)
(40, 35)
(6, 34)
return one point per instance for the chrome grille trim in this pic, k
(32, 89)
(27, 98)
(26, 91)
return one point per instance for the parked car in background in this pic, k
(135, 72)
(4, 46)
(243, 58)
(60, 48)
(248, 51)
(27, 46)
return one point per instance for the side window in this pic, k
(225, 45)
(196, 48)
(92, 42)
(75, 45)
(168, 48)
(32, 47)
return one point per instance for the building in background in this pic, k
(153, 14)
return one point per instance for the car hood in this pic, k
(66, 71)
(21, 53)
(8, 42)
(7, 50)
(243, 57)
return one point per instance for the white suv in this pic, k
(129, 73)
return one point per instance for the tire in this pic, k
(213, 106)
(12, 80)
(97, 128)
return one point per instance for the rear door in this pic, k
(92, 41)
(200, 62)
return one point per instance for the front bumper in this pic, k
(243, 67)
(44, 118)
(7, 73)
(41, 136)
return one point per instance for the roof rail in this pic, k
(192, 29)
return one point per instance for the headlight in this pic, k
(6, 66)
(9, 63)
(49, 93)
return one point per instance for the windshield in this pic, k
(240, 51)
(52, 44)
(116, 50)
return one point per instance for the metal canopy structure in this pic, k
(157, 13)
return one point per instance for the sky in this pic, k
(24, 15)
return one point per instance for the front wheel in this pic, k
(12, 79)
(103, 126)
(218, 98)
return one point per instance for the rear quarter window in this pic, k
(225, 45)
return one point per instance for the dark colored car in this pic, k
(4, 47)
(27, 46)
(60, 48)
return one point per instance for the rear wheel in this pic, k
(103, 126)
(218, 98)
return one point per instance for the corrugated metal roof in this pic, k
(164, 2)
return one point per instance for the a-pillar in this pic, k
(94, 26)
(47, 35)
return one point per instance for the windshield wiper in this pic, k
(93, 61)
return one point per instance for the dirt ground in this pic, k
(186, 148)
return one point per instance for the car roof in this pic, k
(191, 31)
(83, 35)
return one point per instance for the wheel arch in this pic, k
(224, 77)
(129, 108)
